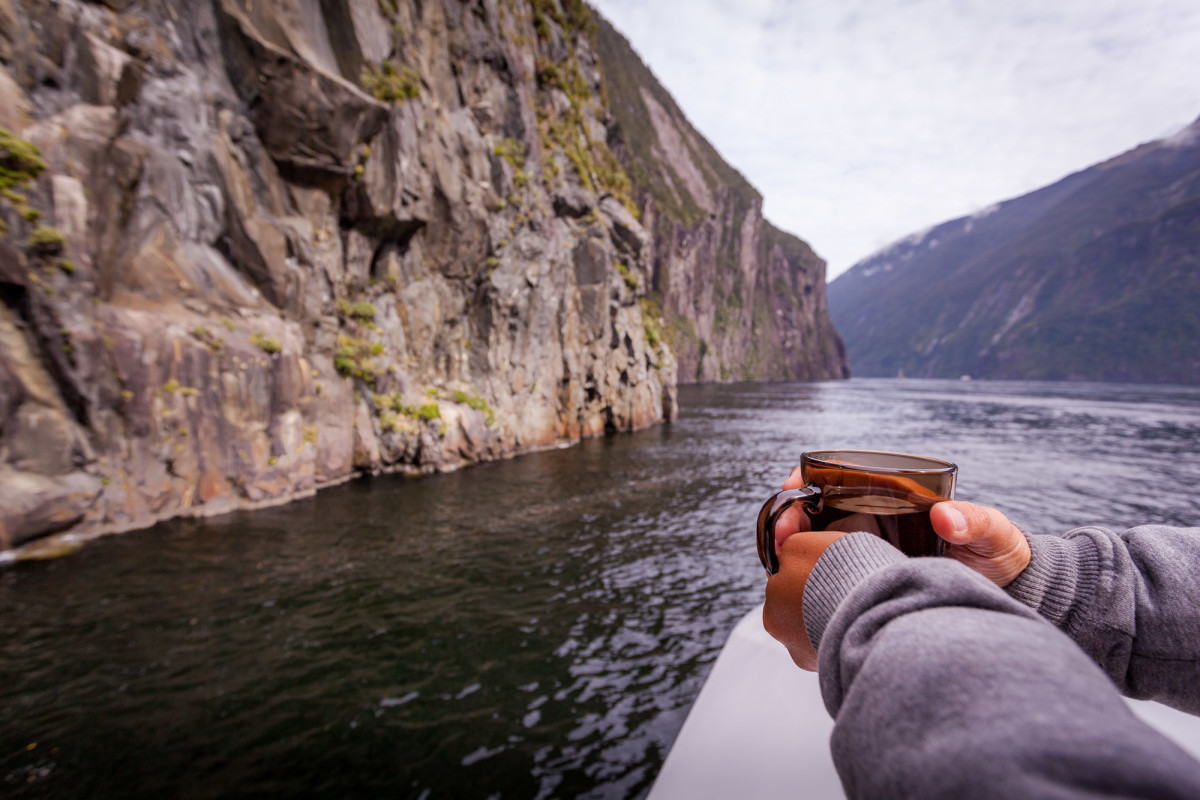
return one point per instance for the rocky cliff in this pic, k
(253, 248)
(739, 298)
(1095, 277)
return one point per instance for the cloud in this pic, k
(864, 120)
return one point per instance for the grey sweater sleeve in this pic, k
(943, 686)
(1131, 601)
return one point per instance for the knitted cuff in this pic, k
(1061, 572)
(844, 564)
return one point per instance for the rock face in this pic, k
(1095, 277)
(740, 299)
(252, 248)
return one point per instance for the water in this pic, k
(532, 628)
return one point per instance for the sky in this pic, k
(865, 121)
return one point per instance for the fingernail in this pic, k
(957, 520)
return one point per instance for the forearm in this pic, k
(943, 686)
(1132, 602)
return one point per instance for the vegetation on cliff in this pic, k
(279, 247)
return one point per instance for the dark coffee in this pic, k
(903, 524)
(887, 494)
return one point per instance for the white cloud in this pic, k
(863, 120)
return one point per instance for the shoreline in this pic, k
(67, 542)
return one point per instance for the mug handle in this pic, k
(809, 495)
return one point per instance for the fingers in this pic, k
(793, 519)
(795, 480)
(983, 539)
(783, 614)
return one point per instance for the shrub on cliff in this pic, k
(391, 83)
(20, 161)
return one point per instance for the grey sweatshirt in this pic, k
(943, 685)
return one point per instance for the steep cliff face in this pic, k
(740, 299)
(1092, 278)
(263, 246)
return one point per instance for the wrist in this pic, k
(846, 562)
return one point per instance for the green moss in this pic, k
(390, 82)
(631, 280)
(46, 240)
(354, 359)
(171, 386)
(512, 151)
(267, 344)
(67, 265)
(476, 402)
(20, 161)
(652, 324)
(429, 411)
(208, 337)
(361, 311)
(387, 421)
(311, 433)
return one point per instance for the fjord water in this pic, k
(529, 628)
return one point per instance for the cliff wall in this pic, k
(261, 247)
(740, 299)
(253, 248)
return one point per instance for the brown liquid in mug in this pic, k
(901, 521)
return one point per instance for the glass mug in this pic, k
(887, 494)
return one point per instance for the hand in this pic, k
(783, 614)
(983, 539)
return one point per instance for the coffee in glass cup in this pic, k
(887, 494)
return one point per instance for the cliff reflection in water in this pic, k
(535, 627)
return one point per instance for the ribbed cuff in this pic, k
(1061, 573)
(844, 564)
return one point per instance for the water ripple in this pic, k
(531, 628)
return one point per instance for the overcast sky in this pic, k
(863, 121)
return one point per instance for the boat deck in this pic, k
(759, 728)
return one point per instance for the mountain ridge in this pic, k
(1069, 282)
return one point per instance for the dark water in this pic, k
(531, 628)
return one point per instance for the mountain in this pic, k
(741, 299)
(1096, 277)
(250, 248)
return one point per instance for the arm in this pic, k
(941, 685)
(1132, 601)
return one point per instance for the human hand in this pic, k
(983, 539)
(783, 614)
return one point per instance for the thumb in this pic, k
(985, 530)
(983, 539)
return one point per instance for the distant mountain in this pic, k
(1096, 277)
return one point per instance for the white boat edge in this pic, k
(759, 729)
